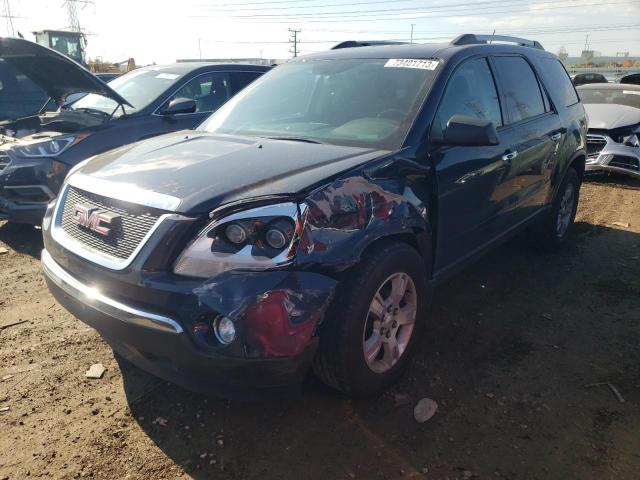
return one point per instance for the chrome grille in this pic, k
(134, 223)
(595, 144)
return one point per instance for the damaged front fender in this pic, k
(343, 218)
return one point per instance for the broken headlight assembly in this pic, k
(633, 140)
(257, 239)
(51, 147)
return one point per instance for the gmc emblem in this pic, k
(93, 219)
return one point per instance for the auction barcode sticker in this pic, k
(412, 63)
(167, 76)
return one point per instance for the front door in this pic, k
(209, 90)
(474, 207)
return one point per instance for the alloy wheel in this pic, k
(390, 322)
(565, 211)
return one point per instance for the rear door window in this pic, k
(239, 80)
(471, 91)
(560, 81)
(523, 96)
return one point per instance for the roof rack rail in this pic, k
(365, 43)
(472, 39)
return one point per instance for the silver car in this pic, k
(613, 139)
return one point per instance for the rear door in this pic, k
(532, 131)
(239, 80)
(472, 207)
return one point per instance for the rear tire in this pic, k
(380, 309)
(552, 232)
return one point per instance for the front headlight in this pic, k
(51, 147)
(257, 239)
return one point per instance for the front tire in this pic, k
(374, 322)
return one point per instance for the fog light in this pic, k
(225, 330)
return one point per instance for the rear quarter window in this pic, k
(559, 81)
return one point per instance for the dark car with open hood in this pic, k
(39, 147)
(306, 222)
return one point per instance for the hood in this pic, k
(608, 116)
(203, 170)
(53, 72)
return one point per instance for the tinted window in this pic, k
(239, 80)
(521, 90)
(472, 92)
(209, 91)
(585, 78)
(560, 81)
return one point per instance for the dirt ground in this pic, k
(509, 349)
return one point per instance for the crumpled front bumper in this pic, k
(30, 213)
(276, 314)
(613, 157)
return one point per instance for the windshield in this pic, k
(139, 88)
(630, 98)
(355, 102)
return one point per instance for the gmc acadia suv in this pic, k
(306, 221)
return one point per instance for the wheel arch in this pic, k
(353, 214)
(577, 161)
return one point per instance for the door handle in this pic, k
(507, 157)
(556, 136)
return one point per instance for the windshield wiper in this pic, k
(296, 139)
(90, 110)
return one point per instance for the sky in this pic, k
(162, 31)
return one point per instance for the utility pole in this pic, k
(293, 40)
(412, 25)
(9, 18)
(199, 49)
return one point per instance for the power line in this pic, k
(448, 34)
(408, 10)
(262, 3)
(442, 37)
(557, 28)
(420, 15)
(288, 7)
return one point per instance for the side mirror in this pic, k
(469, 131)
(180, 105)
